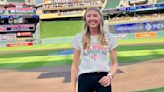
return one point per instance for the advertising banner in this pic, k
(22, 34)
(67, 1)
(137, 27)
(121, 36)
(25, 39)
(138, 8)
(21, 10)
(7, 37)
(2, 28)
(19, 44)
(146, 35)
(19, 27)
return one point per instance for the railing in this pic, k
(136, 19)
(57, 40)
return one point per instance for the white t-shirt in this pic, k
(96, 58)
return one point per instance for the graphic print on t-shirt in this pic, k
(96, 52)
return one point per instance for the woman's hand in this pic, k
(73, 89)
(105, 81)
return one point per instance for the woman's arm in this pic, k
(106, 80)
(114, 64)
(74, 69)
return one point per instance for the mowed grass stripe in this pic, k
(120, 49)
(34, 62)
(60, 62)
(126, 54)
(141, 52)
(27, 54)
(34, 59)
(11, 65)
(65, 61)
(141, 47)
(68, 45)
(19, 58)
(135, 59)
(120, 53)
(141, 40)
(37, 47)
(161, 89)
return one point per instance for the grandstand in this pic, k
(2, 2)
(112, 4)
(160, 1)
(133, 17)
(51, 9)
(15, 1)
(18, 24)
(38, 2)
(2, 10)
(28, 2)
(143, 12)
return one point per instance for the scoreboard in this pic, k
(14, 23)
(21, 10)
(18, 27)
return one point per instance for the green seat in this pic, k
(15, 1)
(112, 4)
(160, 1)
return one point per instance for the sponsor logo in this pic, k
(2, 28)
(24, 34)
(7, 37)
(19, 44)
(146, 35)
(148, 27)
(121, 36)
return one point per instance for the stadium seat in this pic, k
(112, 4)
(136, 19)
(38, 1)
(160, 1)
(15, 1)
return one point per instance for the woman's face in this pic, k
(93, 18)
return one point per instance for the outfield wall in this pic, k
(128, 36)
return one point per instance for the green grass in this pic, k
(28, 53)
(141, 40)
(37, 47)
(154, 90)
(68, 45)
(33, 62)
(60, 28)
(40, 58)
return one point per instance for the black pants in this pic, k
(88, 82)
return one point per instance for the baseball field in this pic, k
(46, 67)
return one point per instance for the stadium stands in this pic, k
(160, 1)
(2, 10)
(138, 19)
(38, 1)
(21, 1)
(2, 2)
(119, 11)
(65, 10)
(112, 4)
(18, 24)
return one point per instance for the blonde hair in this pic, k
(86, 32)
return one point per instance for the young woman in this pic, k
(93, 50)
